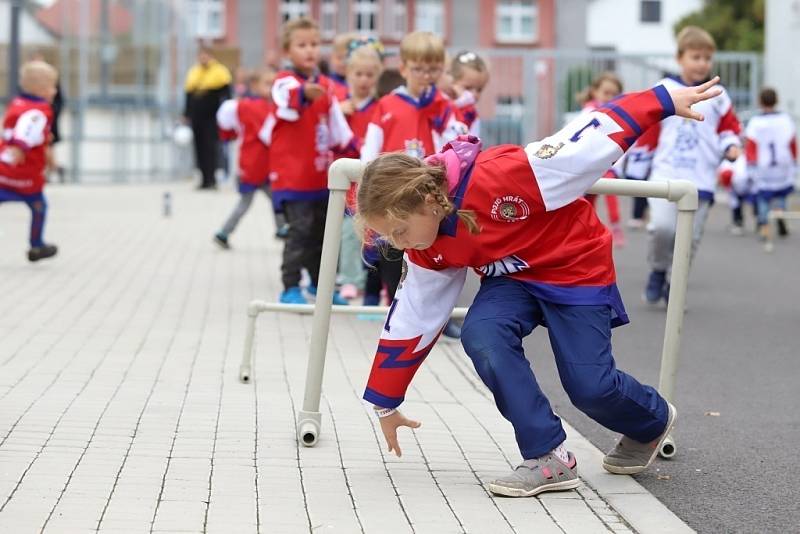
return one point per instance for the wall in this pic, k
(605, 17)
(781, 60)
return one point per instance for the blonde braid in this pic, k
(468, 217)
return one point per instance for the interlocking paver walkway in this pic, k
(121, 409)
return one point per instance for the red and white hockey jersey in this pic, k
(358, 121)
(771, 149)
(252, 119)
(418, 127)
(303, 138)
(535, 225)
(27, 127)
(466, 113)
(687, 149)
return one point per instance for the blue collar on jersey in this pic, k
(424, 100)
(33, 98)
(365, 104)
(678, 79)
(338, 78)
(450, 223)
(313, 78)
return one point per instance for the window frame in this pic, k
(516, 10)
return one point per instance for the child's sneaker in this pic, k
(654, 291)
(283, 231)
(337, 297)
(339, 300)
(221, 240)
(532, 477)
(40, 253)
(783, 230)
(629, 456)
(293, 295)
(349, 291)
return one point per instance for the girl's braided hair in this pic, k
(396, 185)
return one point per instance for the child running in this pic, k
(23, 150)
(517, 217)
(688, 150)
(252, 118)
(771, 147)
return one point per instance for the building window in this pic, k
(517, 21)
(395, 21)
(651, 11)
(366, 16)
(207, 18)
(292, 9)
(327, 19)
(429, 16)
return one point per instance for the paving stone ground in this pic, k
(121, 408)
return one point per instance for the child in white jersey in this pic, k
(771, 147)
(688, 150)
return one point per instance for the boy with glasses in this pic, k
(416, 119)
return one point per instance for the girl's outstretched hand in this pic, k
(389, 426)
(685, 97)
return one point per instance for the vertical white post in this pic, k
(309, 418)
(686, 195)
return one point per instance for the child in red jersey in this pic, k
(23, 158)
(604, 88)
(363, 69)
(309, 126)
(517, 216)
(252, 118)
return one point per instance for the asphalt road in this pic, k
(737, 395)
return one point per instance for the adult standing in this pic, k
(208, 84)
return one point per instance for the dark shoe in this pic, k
(654, 291)
(40, 253)
(783, 230)
(222, 241)
(283, 231)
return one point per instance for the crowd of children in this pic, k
(433, 202)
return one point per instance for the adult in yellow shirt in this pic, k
(208, 84)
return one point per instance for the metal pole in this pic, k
(13, 48)
(309, 418)
(79, 110)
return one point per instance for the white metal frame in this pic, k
(344, 171)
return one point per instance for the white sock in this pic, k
(561, 453)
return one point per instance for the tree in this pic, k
(734, 24)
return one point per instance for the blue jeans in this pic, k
(503, 313)
(38, 206)
(767, 201)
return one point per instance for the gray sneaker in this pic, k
(532, 477)
(630, 456)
